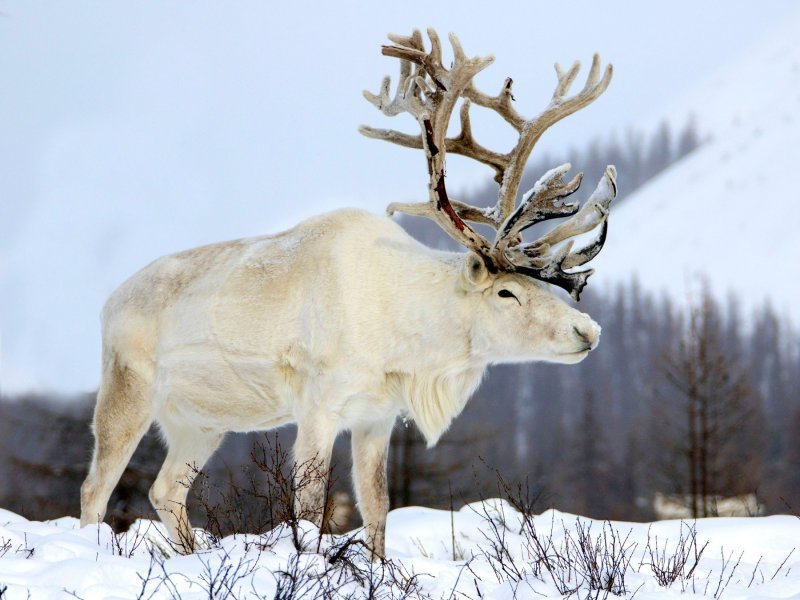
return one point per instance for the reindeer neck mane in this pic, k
(434, 398)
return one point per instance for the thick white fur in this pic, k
(344, 322)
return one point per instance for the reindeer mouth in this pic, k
(585, 350)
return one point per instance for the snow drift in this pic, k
(484, 550)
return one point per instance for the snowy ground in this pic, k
(482, 551)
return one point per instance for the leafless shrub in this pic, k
(783, 564)
(319, 568)
(728, 568)
(267, 500)
(23, 548)
(159, 577)
(573, 561)
(5, 546)
(680, 563)
(753, 574)
(350, 558)
(596, 563)
(126, 544)
(146, 578)
(345, 570)
(603, 560)
(497, 549)
(222, 575)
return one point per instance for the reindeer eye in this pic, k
(507, 294)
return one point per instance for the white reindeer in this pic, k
(345, 322)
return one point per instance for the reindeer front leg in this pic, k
(312, 458)
(370, 449)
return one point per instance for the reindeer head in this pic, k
(518, 317)
(515, 318)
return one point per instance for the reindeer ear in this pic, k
(474, 272)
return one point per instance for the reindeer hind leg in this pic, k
(121, 418)
(189, 449)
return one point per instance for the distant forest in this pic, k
(677, 400)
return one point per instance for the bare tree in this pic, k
(718, 435)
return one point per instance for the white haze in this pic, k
(131, 130)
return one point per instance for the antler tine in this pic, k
(412, 41)
(541, 203)
(549, 257)
(554, 273)
(458, 50)
(435, 54)
(584, 255)
(501, 104)
(464, 144)
(533, 129)
(466, 212)
(432, 106)
(565, 80)
(390, 135)
(382, 101)
(593, 213)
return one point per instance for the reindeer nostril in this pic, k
(582, 335)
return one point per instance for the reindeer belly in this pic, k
(200, 387)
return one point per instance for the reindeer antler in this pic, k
(429, 92)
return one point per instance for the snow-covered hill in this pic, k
(730, 211)
(482, 551)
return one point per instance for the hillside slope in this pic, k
(729, 212)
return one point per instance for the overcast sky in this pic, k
(128, 130)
